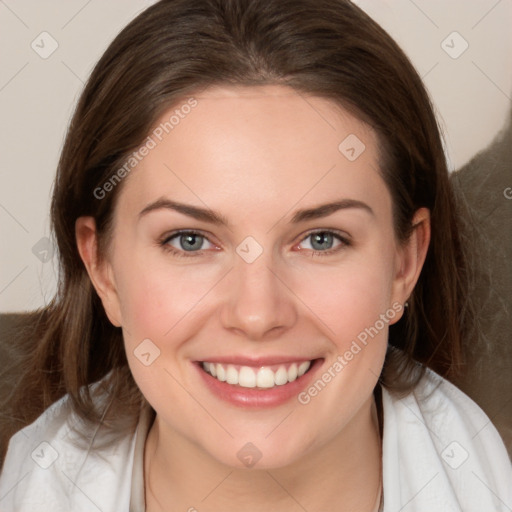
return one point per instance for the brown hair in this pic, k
(328, 48)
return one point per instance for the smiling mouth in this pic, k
(264, 377)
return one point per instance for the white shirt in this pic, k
(440, 453)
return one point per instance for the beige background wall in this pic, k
(471, 88)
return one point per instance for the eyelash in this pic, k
(164, 243)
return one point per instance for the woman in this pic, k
(263, 286)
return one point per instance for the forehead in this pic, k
(253, 148)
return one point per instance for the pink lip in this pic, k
(257, 398)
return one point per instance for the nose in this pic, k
(259, 305)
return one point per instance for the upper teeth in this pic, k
(263, 377)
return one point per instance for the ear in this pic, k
(99, 269)
(411, 257)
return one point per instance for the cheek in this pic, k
(350, 297)
(156, 296)
(158, 305)
(353, 303)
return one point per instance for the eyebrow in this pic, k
(207, 215)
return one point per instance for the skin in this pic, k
(256, 155)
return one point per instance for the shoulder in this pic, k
(440, 450)
(49, 466)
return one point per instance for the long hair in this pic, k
(175, 48)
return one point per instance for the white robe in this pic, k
(441, 453)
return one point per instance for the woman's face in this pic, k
(288, 264)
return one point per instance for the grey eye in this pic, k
(321, 241)
(191, 241)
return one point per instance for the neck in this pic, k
(344, 474)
